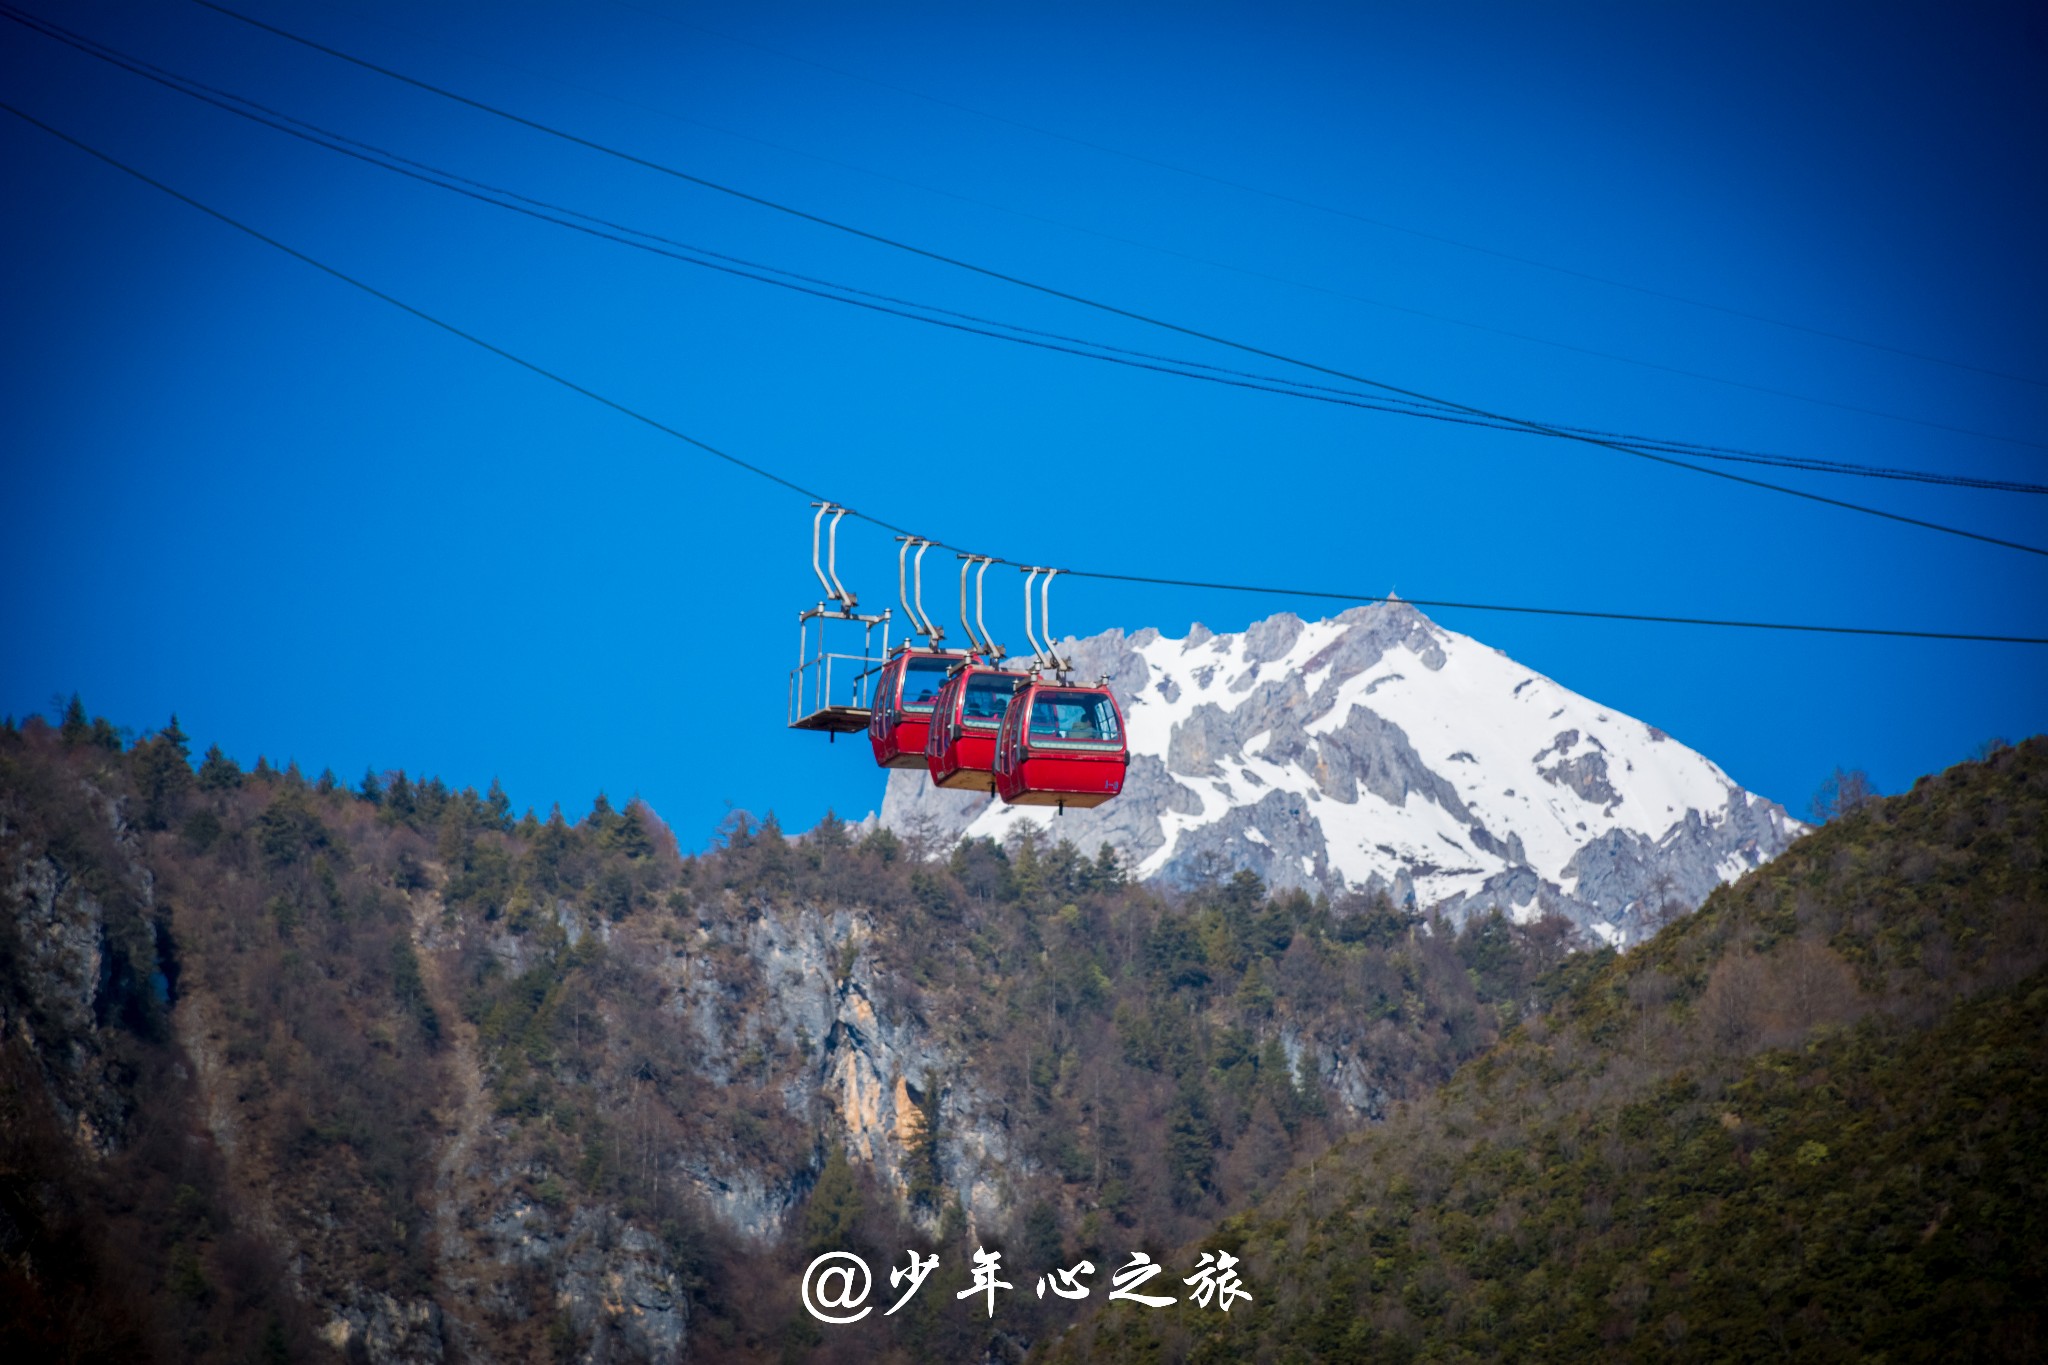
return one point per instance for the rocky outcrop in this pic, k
(866, 1068)
(85, 964)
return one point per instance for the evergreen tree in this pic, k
(430, 798)
(370, 789)
(75, 726)
(921, 1162)
(1190, 1147)
(453, 841)
(469, 808)
(834, 1208)
(629, 832)
(411, 989)
(105, 736)
(1308, 1087)
(598, 824)
(163, 775)
(1108, 873)
(218, 772)
(498, 806)
(398, 799)
(551, 849)
(1042, 1249)
(328, 782)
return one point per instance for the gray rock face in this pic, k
(618, 1294)
(1378, 751)
(378, 1327)
(868, 1060)
(60, 934)
(1271, 638)
(63, 941)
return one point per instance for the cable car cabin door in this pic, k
(1061, 746)
(905, 696)
(961, 750)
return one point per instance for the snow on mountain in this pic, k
(1379, 751)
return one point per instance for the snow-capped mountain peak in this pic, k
(1377, 750)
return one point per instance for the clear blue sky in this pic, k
(319, 529)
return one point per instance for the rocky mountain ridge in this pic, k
(1378, 751)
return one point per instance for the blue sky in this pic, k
(320, 529)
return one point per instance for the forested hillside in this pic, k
(299, 1068)
(1809, 1122)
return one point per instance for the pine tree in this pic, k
(921, 1162)
(1190, 1147)
(398, 799)
(163, 775)
(601, 821)
(629, 832)
(498, 806)
(218, 772)
(835, 1206)
(551, 848)
(370, 789)
(75, 726)
(430, 798)
(1108, 873)
(1308, 1087)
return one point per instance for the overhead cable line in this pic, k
(1382, 223)
(690, 254)
(1109, 308)
(1247, 272)
(815, 497)
(927, 253)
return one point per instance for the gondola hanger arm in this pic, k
(995, 651)
(1054, 661)
(817, 566)
(847, 601)
(1031, 573)
(933, 631)
(967, 563)
(917, 621)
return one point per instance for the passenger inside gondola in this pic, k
(1073, 715)
(922, 679)
(988, 695)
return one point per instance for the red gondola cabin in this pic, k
(1060, 746)
(905, 693)
(960, 751)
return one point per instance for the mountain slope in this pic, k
(386, 1074)
(1807, 1121)
(1379, 751)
